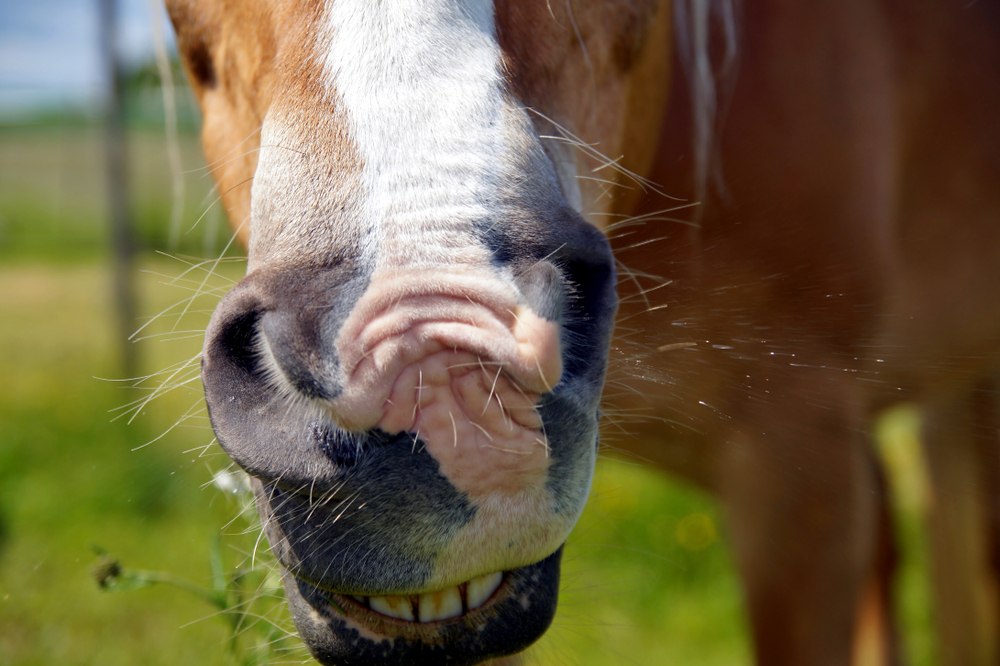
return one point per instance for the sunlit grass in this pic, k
(647, 579)
(897, 436)
(69, 479)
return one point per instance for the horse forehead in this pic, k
(312, 29)
(422, 57)
(408, 105)
(387, 68)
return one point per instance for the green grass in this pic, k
(71, 479)
(647, 579)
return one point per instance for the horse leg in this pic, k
(802, 500)
(961, 441)
(876, 634)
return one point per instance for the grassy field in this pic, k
(647, 576)
(53, 195)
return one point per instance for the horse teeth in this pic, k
(400, 608)
(440, 605)
(478, 590)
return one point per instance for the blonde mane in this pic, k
(710, 83)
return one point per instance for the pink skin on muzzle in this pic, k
(455, 360)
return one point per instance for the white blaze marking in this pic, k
(420, 83)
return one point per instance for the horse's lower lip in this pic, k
(338, 629)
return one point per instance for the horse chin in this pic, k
(342, 629)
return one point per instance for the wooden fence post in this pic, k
(122, 242)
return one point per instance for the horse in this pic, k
(756, 223)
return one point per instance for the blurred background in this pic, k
(124, 536)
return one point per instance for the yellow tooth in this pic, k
(440, 605)
(482, 588)
(397, 607)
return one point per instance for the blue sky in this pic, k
(49, 50)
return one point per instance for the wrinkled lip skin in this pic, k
(346, 633)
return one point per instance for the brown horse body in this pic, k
(849, 258)
(846, 256)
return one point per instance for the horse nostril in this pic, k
(232, 345)
(238, 340)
